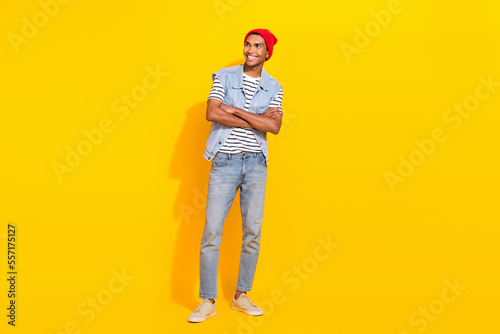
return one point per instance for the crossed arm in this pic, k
(268, 121)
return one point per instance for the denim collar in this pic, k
(238, 83)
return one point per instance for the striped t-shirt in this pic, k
(242, 139)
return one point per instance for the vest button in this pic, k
(220, 143)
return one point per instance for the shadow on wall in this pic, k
(193, 170)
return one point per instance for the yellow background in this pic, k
(136, 202)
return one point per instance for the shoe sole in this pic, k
(196, 320)
(236, 308)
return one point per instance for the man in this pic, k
(244, 104)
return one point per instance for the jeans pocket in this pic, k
(261, 159)
(220, 159)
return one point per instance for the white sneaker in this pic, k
(203, 312)
(243, 304)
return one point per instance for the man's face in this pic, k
(255, 50)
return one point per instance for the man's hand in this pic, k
(273, 113)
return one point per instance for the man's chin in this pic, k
(252, 63)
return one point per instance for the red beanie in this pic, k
(268, 37)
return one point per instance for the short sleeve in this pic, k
(217, 91)
(277, 100)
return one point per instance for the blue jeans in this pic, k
(230, 172)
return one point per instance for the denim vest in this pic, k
(231, 79)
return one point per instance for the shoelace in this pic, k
(247, 301)
(204, 305)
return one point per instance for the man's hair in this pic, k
(254, 33)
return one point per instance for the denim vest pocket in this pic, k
(257, 110)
